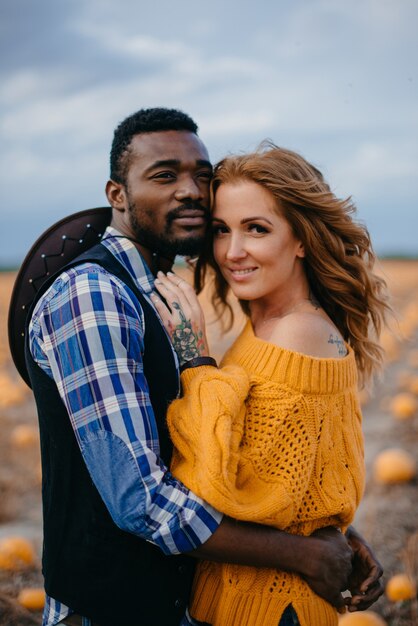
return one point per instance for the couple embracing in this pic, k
(246, 521)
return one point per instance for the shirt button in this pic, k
(179, 603)
(181, 569)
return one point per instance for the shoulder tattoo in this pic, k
(339, 343)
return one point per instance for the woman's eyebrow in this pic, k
(246, 220)
(256, 218)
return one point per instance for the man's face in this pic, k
(167, 191)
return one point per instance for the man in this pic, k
(120, 533)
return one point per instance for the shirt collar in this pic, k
(130, 257)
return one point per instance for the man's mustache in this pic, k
(187, 208)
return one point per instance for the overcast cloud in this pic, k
(334, 80)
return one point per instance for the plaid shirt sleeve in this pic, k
(86, 333)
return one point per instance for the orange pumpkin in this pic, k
(24, 436)
(16, 553)
(400, 587)
(394, 465)
(404, 405)
(361, 618)
(32, 598)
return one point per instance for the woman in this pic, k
(274, 436)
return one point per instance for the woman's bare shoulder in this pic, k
(310, 334)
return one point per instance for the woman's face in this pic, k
(254, 246)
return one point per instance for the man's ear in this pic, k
(116, 195)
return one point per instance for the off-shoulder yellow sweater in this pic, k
(273, 437)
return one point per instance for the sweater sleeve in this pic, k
(207, 428)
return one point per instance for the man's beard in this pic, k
(164, 243)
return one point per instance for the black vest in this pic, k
(89, 564)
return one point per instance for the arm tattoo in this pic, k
(188, 341)
(342, 350)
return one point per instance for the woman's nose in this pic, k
(236, 249)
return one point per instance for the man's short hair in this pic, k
(143, 121)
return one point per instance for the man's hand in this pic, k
(364, 582)
(329, 558)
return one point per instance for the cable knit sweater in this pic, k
(273, 437)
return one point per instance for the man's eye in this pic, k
(164, 175)
(206, 175)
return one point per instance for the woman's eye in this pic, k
(257, 228)
(218, 230)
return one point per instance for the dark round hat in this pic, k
(57, 246)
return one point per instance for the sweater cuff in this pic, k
(189, 374)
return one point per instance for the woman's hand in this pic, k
(181, 315)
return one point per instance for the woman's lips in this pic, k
(240, 274)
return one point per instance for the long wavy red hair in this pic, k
(339, 257)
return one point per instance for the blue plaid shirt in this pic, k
(87, 333)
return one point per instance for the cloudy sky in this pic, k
(336, 80)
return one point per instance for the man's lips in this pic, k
(190, 218)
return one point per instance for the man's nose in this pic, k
(188, 188)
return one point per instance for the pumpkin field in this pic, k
(387, 517)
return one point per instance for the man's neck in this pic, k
(158, 262)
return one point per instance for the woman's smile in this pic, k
(241, 273)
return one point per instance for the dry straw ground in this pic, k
(388, 516)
